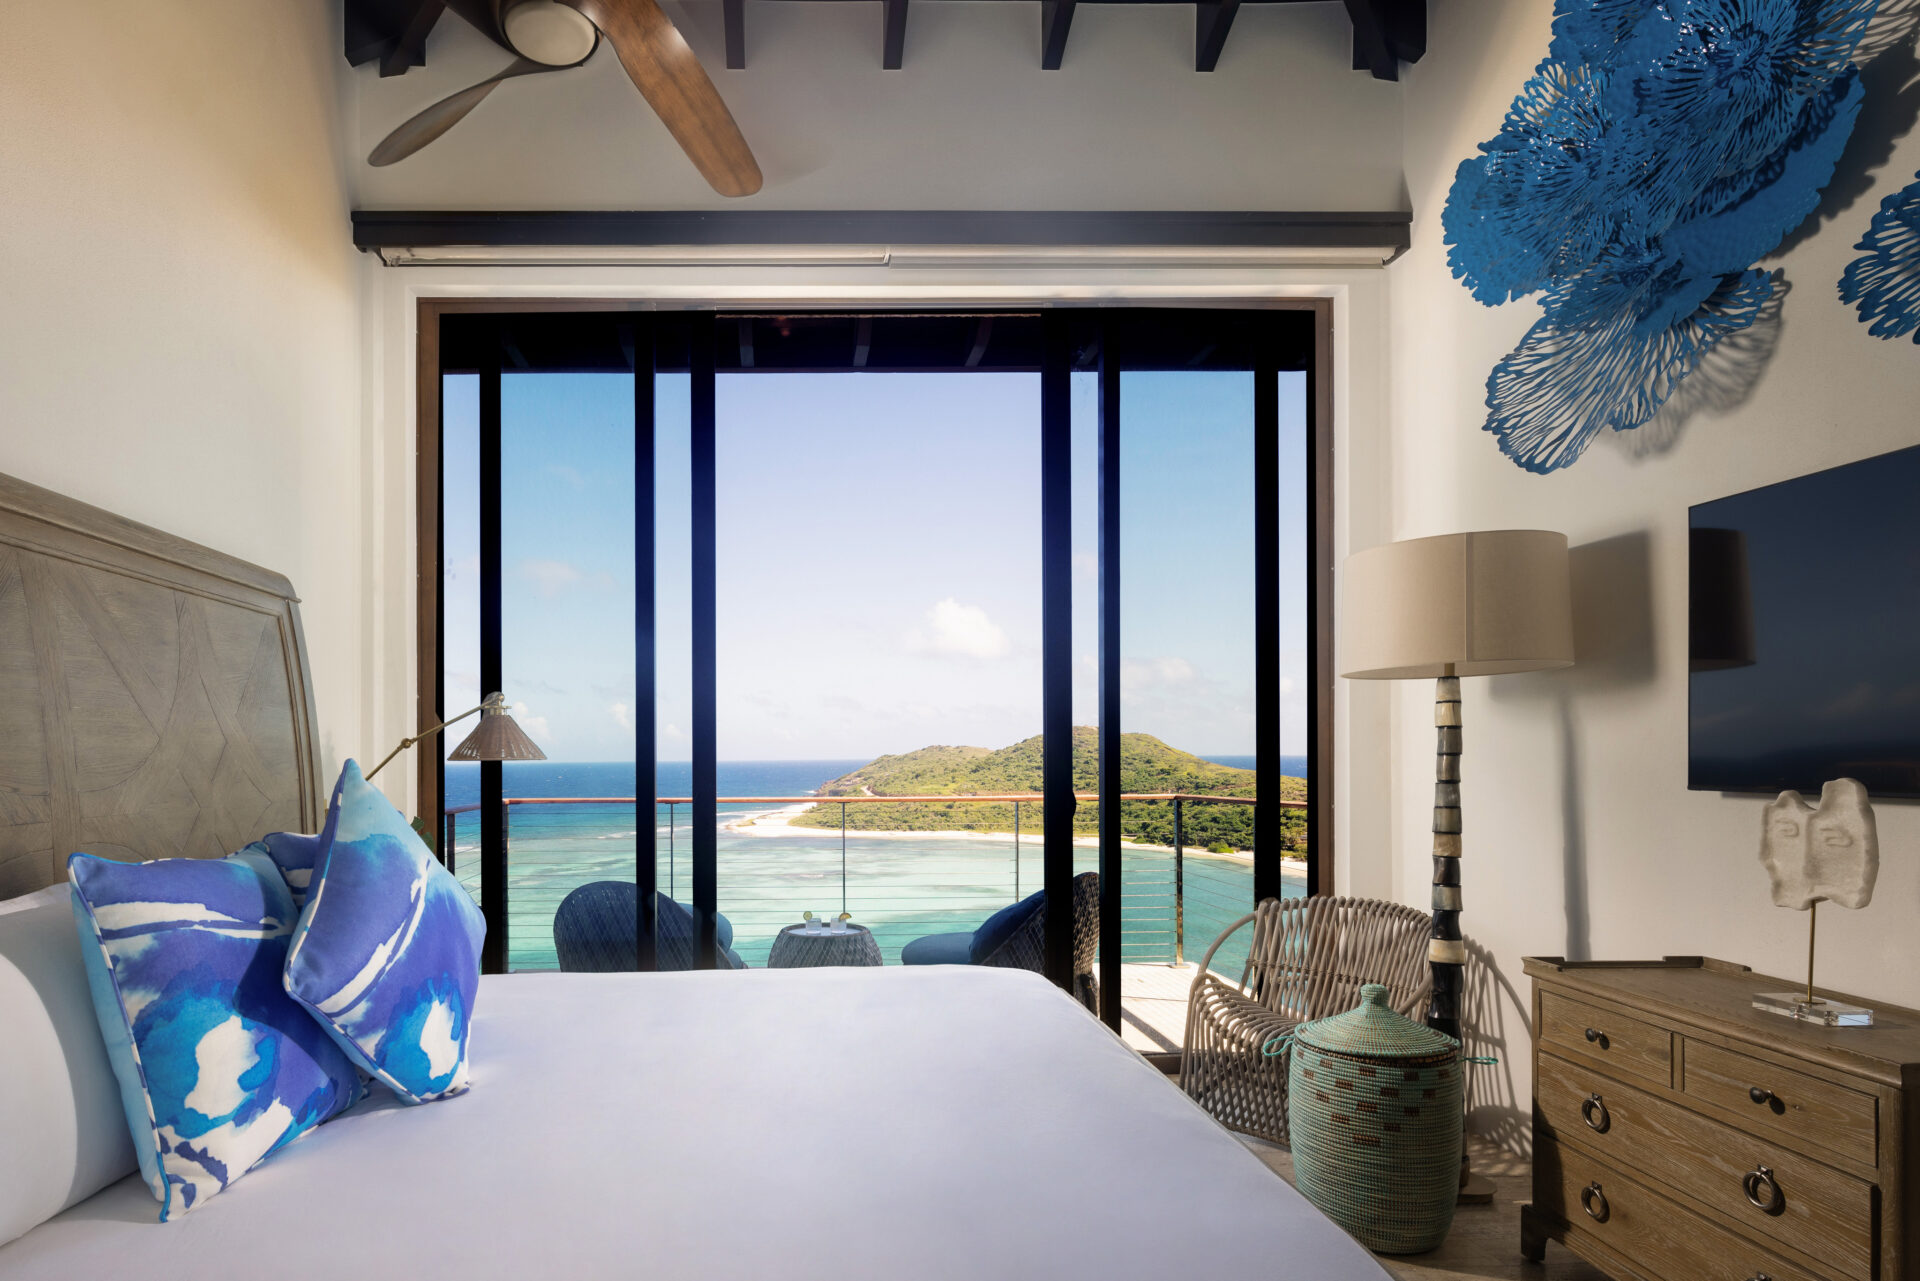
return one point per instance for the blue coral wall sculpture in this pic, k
(1660, 150)
(1884, 282)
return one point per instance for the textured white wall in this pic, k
(971, 122)
(1581, 835)
(178, 296)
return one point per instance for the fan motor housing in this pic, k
(548, 32)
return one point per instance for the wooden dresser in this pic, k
(1679, 1134)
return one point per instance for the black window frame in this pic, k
(488, 336)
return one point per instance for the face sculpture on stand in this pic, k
(1829, 854)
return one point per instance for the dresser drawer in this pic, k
(1643, 1226)
(1802, 1203)
(1629, 1047)
(1789, 1104)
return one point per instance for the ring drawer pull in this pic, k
(1594, 1202)
(1593, 1110)
(1763, 1190)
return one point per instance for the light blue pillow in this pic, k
(387, 952)
(217, 1068)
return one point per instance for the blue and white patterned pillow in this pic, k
(387, 953)
(217, 1068)
(295, 854)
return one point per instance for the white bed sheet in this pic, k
(926, 1123)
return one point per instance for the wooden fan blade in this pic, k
(675, 85)
(445, 114)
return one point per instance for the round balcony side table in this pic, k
(795, 948)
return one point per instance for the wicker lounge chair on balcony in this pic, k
(1308, 960)
(1015, 938)
(595, 929)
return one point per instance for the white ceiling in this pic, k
(971, 122)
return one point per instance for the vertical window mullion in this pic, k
(493, 810)
(1056, 640)
(645, 623)
(1266, 616)
(705, 637)
(1109, 607)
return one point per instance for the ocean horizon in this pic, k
(900, 889)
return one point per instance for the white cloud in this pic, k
(536, 726)
(961, 631)
(673, 732)
(622, 715)
(549, 577)
(1152, 673)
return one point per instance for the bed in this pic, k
(928, 1122)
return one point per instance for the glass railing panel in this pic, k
(460, 615)
(567, 553)
(1187, 678)
(879, 635)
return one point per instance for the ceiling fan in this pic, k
(554, 35)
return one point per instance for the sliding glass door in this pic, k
(908, 617)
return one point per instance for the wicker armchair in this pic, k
(1309, 958)
(1026, 947)
(596, 926)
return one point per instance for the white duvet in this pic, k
(926, 1123)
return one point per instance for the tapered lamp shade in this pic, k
(497, 738)
(1480, 604)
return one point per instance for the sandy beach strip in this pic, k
(780, 823)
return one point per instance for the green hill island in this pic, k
(1146, 765)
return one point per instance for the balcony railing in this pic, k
(1166, 893)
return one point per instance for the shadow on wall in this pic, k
(1725, 379)
(1613, 638)
(1497, 1023)
(1890, 79)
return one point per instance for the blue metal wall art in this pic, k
(1660, 150)
(1884, 282)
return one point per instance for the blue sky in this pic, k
(879, 575)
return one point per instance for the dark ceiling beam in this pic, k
(1371, 51)
(893, 55)
(1406, 26)
(862, 342)
(735, 17)
(1056, 17)
(745, 327)
(1212, 20)
(410, 48)
(400, 229)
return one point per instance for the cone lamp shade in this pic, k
(1478, 604)
(497, 738)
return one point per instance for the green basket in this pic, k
(1375, 1106)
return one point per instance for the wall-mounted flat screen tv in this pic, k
(1804, 625)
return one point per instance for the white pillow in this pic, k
(66, 1134)
(61, 893)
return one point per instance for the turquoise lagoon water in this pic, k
(900, 889)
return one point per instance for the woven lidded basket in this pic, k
(1375, 1107)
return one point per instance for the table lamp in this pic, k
(495, 738)
(1477, 604)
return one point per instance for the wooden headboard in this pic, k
(154, 694)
